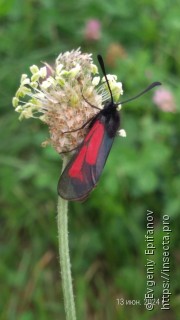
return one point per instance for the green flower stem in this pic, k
(62, 220)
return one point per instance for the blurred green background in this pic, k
(140, 43)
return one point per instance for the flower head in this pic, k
(164, 99)
(56, 96)
(93, 29)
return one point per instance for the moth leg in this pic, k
(89, 120)
(69, 150)
(90, 103)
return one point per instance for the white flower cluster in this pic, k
(55, 96)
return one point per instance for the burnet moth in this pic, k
(84, 169)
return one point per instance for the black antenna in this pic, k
(101, 62)
(151, 86)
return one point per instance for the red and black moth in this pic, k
(84, 169)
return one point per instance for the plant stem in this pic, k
(64, 257)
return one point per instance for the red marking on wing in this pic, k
(94, 127)
(95, 140)
(75, 170)
(89, 150)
